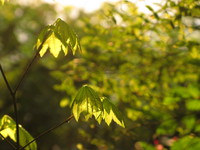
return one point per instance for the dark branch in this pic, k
(47, 131)
(14, 104)
(8, 141)
(26, 71)
(30, 63)
(6, 81)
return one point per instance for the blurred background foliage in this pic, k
(147, 64)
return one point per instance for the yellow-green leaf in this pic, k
(112, 113)
(87, 101)
(57, 37)
(8, 129)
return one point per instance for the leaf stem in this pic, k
(49, 130)
(14, 104)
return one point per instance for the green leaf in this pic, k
(193, 105)
(152, 10)
(57, 37)
(146, 146)
(187, 143)
(87, 101)
(8, 129)
(112, 113)
(67, 36)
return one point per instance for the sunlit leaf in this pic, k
(8, 129)
(112, 113)
(57, 37)
(67, 36)
(87, 101)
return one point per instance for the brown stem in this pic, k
(49, 130)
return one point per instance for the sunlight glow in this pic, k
(91, 5)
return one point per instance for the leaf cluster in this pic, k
(57, 37)
(87, 101)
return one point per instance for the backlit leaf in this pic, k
(112, 113)
(8, 129)
(57, 37)
(87, 101)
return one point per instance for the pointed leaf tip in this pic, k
(112, 113)
(88, 102)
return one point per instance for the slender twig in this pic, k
(26, 70)
(14, 104)
(6, 81)
(31, 62)
(8, 141)
(13, 92)
(49, 130)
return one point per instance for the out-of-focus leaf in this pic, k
(167, 127)
(146, 146)
(57, 37)
(187, 143)
(8, 129)
(193, 104)
(112, 113)
(189, 124)
(150, 8)
(154, 13)
(3, 1)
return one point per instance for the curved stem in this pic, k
(49, 130)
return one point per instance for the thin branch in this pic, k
(49, 130)
(6, 81)
(26, 71)
(8, 141)
(31, 62)
(14, 104)
(13, 92)
(16, 119)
